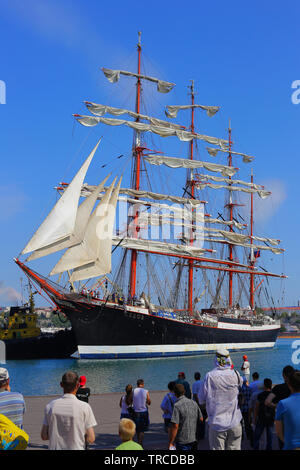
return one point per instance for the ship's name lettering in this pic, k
(135, 316)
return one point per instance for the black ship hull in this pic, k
(109, 331)
(58, 345)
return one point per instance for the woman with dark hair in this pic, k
(126, 402)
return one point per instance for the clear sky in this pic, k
(242, 57)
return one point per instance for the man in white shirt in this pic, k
(246, 367)
(140, 402)
(220, 392)
(68, 422)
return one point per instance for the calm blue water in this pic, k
(42, 377)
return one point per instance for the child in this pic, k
(167, 406)
(126, 433)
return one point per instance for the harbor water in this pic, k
(42, 377)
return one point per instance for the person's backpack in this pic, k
(11, 436)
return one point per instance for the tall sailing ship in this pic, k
(158, 273)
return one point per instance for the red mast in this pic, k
(137, 168)
(252, 262)
(230, 205)
(191, 271)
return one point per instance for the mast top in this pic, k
(139, 40)
(192, 87)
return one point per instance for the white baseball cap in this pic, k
(221, 351)
(4, 375)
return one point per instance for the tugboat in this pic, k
(24, 339)
(21, 324)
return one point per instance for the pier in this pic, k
(107, 413)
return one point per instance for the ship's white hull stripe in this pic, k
(159, 350)
(241, 326)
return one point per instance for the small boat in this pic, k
(22, 338)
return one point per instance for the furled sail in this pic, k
(101, 109)
(184, 136)
(82, 217)
(230, 181)
(87, 250)
(102, 263)
(172, 111)
(114, 75)
(185, 213)
(86, 189)
(261, 192)
(161, 247)
(60, 223)
(246, 158)
(233, 241)
(174, 162)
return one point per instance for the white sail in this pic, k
(184, 136)
(230, 181)
(86, 189)
(173, 162)
(172, 111)
(60, 223)
(101, 109)
(114, 75)
(246, 158)
(87, 250)
(102, 264)
(233, 241)
(261, 192)
(161, 247)
(82, 217)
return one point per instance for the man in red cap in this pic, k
(246, 367)
(83, 392)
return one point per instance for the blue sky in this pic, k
(242, 57)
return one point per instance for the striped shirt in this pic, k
(12, 405)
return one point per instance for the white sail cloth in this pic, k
(173, 162)
(184, 136)
(261, 192)
(60, 222)
(102, 262)
(246, 158)
(172, 111)
(82, 217)
(88, 250)
(101, 109)
(114, 75)
(233, 241)
(160, 247)
(230, 181)
(181, 217)
(86, 189)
